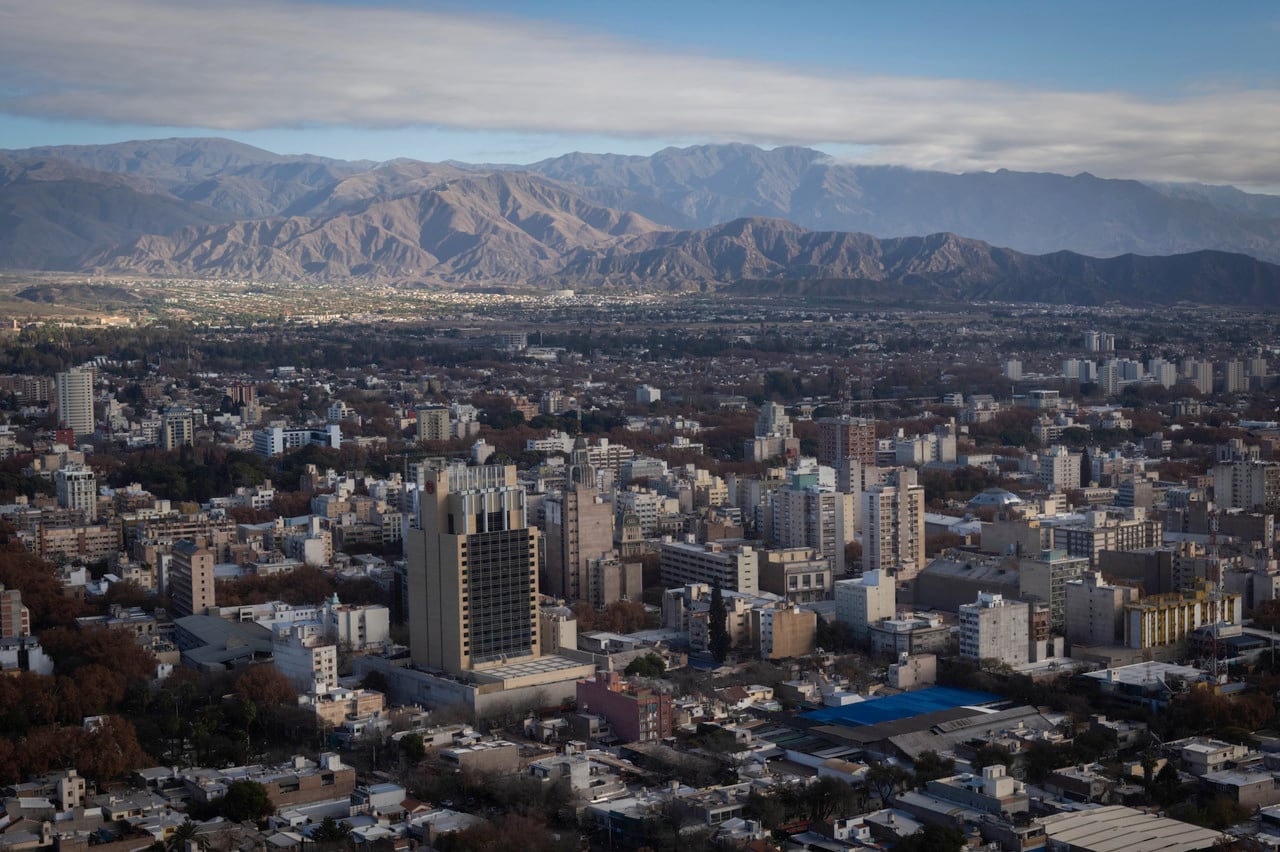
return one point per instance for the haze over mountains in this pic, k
(693, 217)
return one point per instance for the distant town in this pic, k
(295, 568)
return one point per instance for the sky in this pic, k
(1170, 90)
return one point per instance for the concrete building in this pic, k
(77, 488)
(472, 570)
(1059, 469)
(433, 423)
(303, 652)
(177, 427)
(733, 566)
(1132, 529)
(893, 537)
(798, 574)
(995, 628)
(579, 529)
(955, 578)
(75, 401)
(1160, 620)
(1095, 610)
(277, 440)
(863, 602)
(637, 714)
(15, 619)
(805, 515)
(846, 437)
(782, 632)
(1250, 485)
(190, 582)
(1045, 580)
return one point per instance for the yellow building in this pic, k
(1167, 619)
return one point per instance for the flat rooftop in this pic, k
(1121, 829)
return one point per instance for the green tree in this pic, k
(245, 801)
(931, 765)
(885, 779)
(718, 626)
(413, 749)
(650, 665)
(1167, 788)
(331, 834)
(932, 838)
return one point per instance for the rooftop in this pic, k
(1121, 829)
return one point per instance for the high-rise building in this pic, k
(773, 421)
(77, 488)
(893, 526)
(472, 570)
(433, 423)
(190, 584)
(1095, 610)
(579, 528)
(806, 516)
(15, 619)
(1199, 374)
(1233, 377)
(732, 567)
(862, 602)
(995, 628)
(1250, 485)
(177, 427)
(1045, 580)
(846, 437)
(75, 401)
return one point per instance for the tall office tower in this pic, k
(1092, 341)
(472, 570)
(1013, 370)
(190, 585)
(893, 527)
(846, 437)
(77, 488)
(433, 423)
(177, 427)
(1109, 377)
(1233, 376)
(579, 529)
(75, 401)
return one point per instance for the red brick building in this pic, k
(637, 714)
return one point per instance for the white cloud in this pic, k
(242, 65)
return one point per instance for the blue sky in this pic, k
(1169, 90)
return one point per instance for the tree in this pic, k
(886, 779)
(650, 665)
(829, 797)
(245, 801)
(991, 754)
(932, 838)
(931, 765)
(718, 626)
(331, 834)
(1167, 788)
(413, 749)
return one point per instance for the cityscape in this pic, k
(572, 427)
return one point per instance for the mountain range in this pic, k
(762, 221)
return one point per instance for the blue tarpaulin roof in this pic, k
(894, 707)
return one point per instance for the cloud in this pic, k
(240, 65)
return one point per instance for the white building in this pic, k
(893, 526)
(646, 394)
(278, 440)
(77, 488)
(305, 655)
(862, 602)
(994, 628)
(75, 401)
(731, 567)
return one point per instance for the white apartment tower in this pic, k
(862, 602)
(75, 401)
(893, 526)
(77, 488)
(997, 629)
